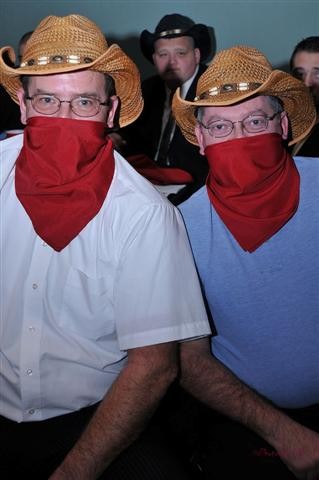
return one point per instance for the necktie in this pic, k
(166, 138)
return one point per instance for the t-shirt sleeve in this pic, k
(157, 293)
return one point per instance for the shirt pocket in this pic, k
(87, 308)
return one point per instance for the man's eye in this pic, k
(219, 126)
(256, 121)
(84, 102)
(298, 74)
(46, 100)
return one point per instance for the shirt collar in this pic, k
(185, 86)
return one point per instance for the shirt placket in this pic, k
(32, 331)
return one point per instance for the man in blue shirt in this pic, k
(254, 234)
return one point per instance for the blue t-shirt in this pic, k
(265, 304)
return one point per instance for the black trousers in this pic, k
(35, 449)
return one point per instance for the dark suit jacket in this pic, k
(10, 112)
(144, 134)
(310, 147)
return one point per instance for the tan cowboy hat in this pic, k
(241, 72)
(72, 43)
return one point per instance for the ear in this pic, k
(23, 107)
(112, 111)
(197, 55)
(200, 138)
(284, 123)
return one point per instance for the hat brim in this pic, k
(198, 32)
(295, 96)
(113, 62)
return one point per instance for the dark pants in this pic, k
(34, 450)
(217, 448)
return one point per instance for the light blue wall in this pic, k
(273, 26)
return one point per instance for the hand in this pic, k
(297, 446)
(299, 450)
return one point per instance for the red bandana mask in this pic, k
(63, 174)
(253, 184)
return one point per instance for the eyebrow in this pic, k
(82, 94)
(259, 111)
(303, 69)
(176, 49)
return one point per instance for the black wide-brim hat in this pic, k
(176, 25)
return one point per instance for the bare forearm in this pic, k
(119, 420)
(217, 387)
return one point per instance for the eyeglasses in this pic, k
(252, 124)
(81, 106)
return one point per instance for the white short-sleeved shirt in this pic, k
(68, 318)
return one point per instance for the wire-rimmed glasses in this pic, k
(253, 123)
(83, 106)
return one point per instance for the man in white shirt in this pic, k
(93, 267)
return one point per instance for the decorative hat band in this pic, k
(175, 31)
(56, 59)
(228, 87)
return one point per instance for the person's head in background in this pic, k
(304, 65)
(21, 46)
(176, 48)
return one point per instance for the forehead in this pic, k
(306, 60)
(260, 103)
(173, 43)
(77, 82)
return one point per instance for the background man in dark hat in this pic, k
(304, 65)
(178, 49)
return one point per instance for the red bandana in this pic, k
(63, 174)
(253, 184)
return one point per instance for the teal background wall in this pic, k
(273, 26)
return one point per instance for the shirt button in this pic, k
(31, 328)
(44, 244)
(29, 371)
(34, 286)
(31, 411)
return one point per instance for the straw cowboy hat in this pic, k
(241, 72)
(70, 44)
(176, 25)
